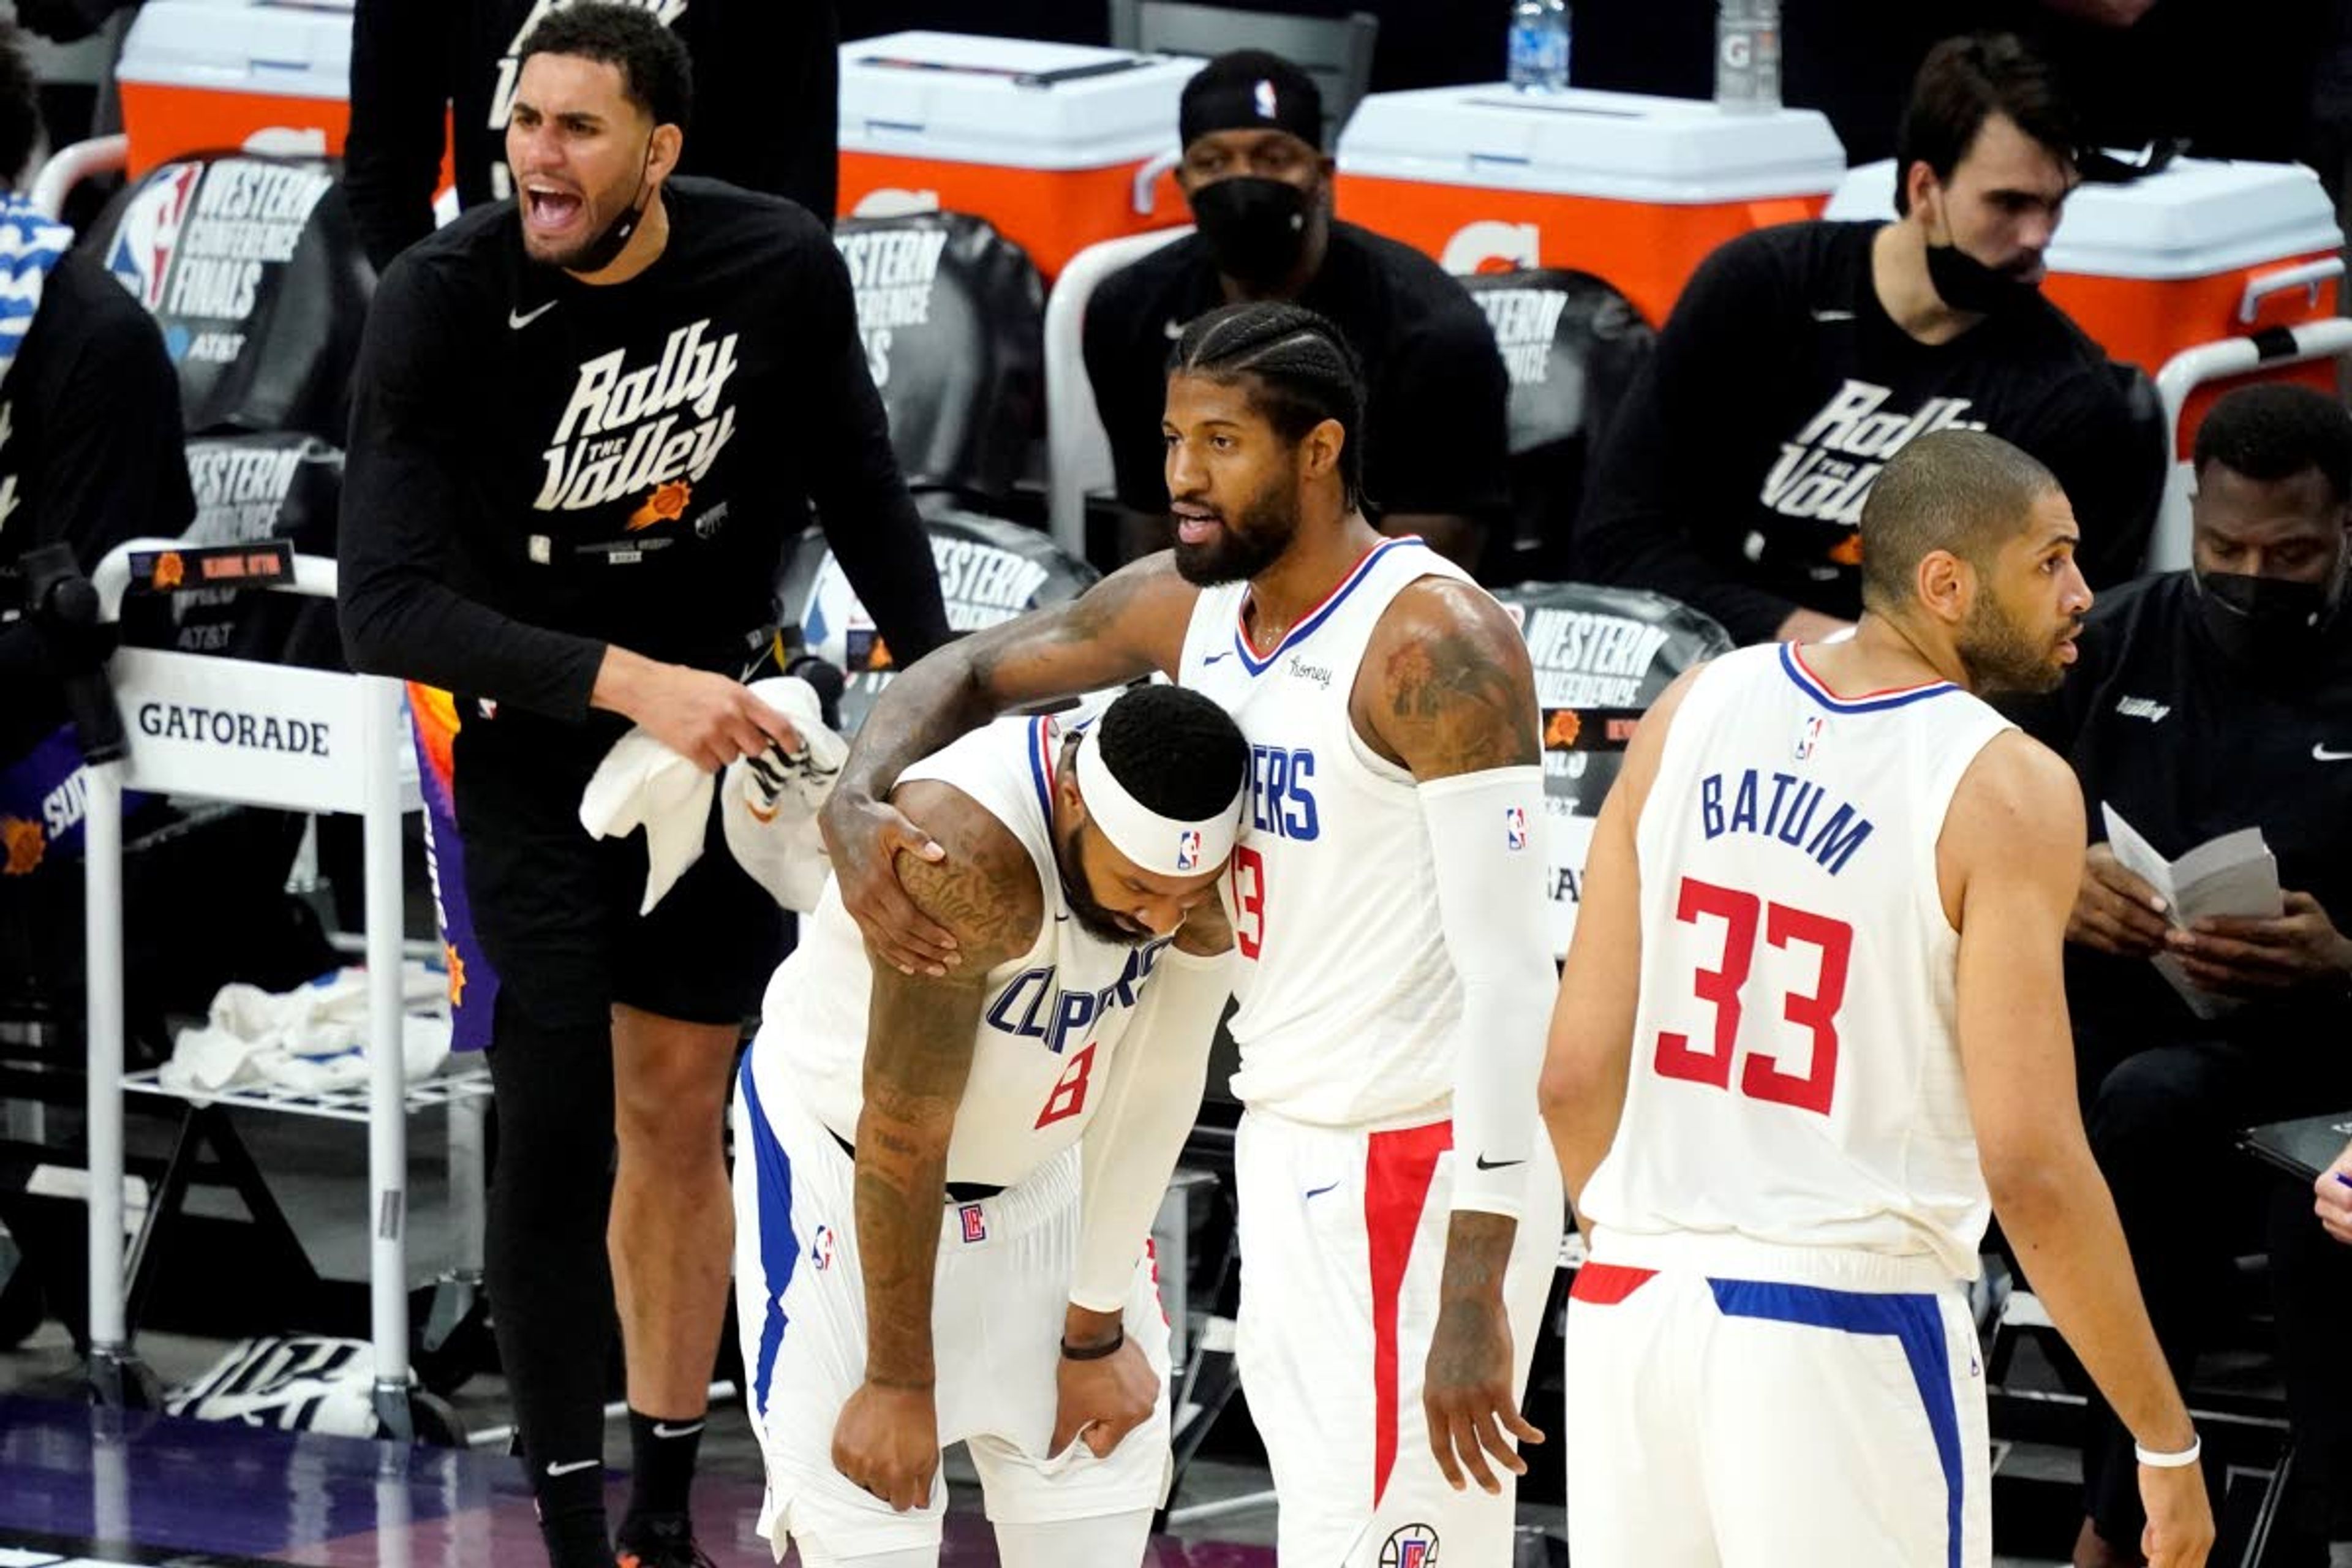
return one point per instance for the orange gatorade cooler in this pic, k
(258, 76)
(2198, 252)
(1049, 142)
(1634, 189)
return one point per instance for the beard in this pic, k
(1093, 917)
(1247, 544)
(2003, 657)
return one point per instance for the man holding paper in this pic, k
(2210, 721)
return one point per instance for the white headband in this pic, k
(1158, 844)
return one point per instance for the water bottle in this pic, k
(1747, 56)
(1540, 45)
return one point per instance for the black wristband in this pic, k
(1095, 1353)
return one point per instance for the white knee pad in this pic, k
(1105, 1541)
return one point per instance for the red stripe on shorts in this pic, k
(1606, 1284)
(1398, 1170)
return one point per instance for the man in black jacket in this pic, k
(586, 425)
(767, 75)
(91, 447)
(2207, 702)
(1800, 359)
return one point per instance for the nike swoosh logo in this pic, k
(575, 1465)
(1833, 315)
(1174, 328)
(1215, 656)
(1318, 1192)
(2320, 754)
(662, 1431)
(1486, 1164)
(518, 320)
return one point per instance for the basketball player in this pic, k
(919, 1264)
(1813, 1029)
(1398, 1210)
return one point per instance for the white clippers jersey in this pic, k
(1796, 1073)
(1348, 997)
(1054, 1016)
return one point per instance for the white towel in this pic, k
(772, 801)
(311, 1038)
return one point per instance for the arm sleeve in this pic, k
(2112, 469)
(1652, 494)
(1147, 1113)
(1490, 898)
(1129, 396)
(399, 90)
(1440, 433)
(403, 507)
(861, 499)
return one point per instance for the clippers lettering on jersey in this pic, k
(1787, 810)
(619, 436)
(1281, 803)
(975, 1222)
(1031, 1007)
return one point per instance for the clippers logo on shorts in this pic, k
(1187, 851)
(1515, 828)
(1032, 1007)
(975, 1222)
(1825, 474)
(150, 232)
(1411, 1546)
(652, 432)
(1809, 736)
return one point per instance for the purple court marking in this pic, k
(104, 1487)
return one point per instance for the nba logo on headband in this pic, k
(1263, 98)
(1187, 851)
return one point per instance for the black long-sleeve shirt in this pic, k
(1733, 477)
(2186, 744)
(766, 77)
(539, 467)
(91, 455)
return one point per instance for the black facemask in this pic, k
(1255, 229)
(1964, 283)
(2269, 622)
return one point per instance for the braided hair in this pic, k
(1295, 367)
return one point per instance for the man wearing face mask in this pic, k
(1259, 184)
(2206, 701)
(584, 424)
(1800, 359)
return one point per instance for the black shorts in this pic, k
(556, 911)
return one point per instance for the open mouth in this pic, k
(1195, 524)
(550, 211)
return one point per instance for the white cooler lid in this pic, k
(300, 49)
(2197, 218)
(1619, 146)
(1008, 101)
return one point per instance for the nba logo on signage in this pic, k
(975, 1222)
(1809, 735)
(150, 232)
(1515, 828)
(1187, 851)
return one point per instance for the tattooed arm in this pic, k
(1446, 690)
(918, 1050)
(1121, 630)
